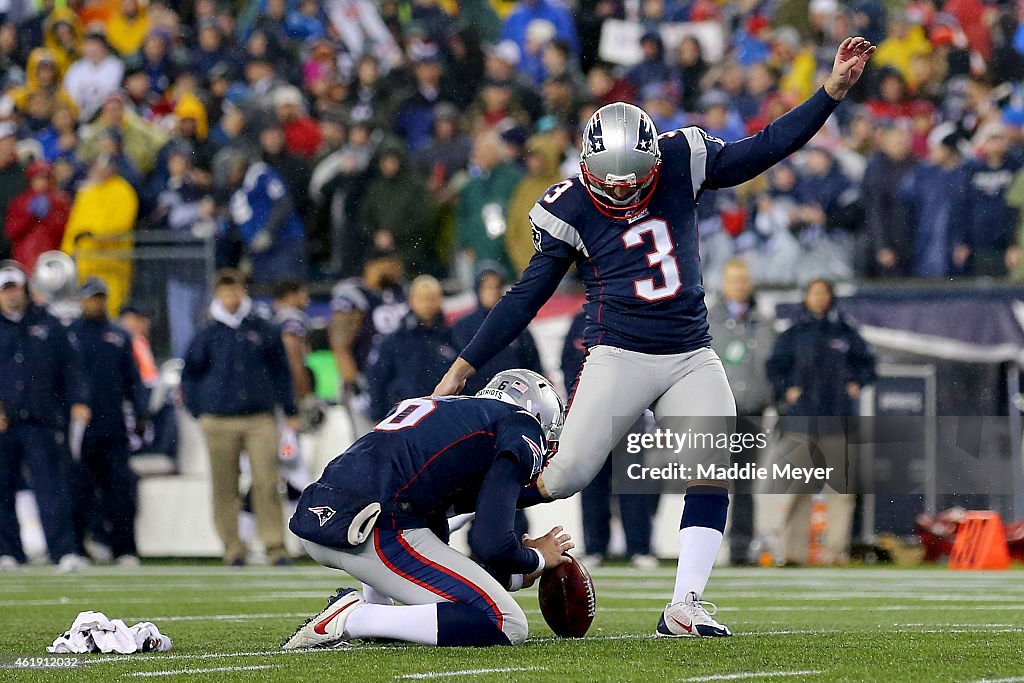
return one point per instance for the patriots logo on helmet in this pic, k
(323, 512)
(645, 136)
(595, 136)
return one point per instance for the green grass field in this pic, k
(790, 624)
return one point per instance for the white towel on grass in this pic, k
(94, 632)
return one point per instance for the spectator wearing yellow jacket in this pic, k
(42, 74)
(796, 61)
(99, 229)
(62, 34)
(543, 159)
(904, 42)
(127, 29)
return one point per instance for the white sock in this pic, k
(698, 547)
(375, 597)
(411, 623)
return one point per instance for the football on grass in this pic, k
(567, 599)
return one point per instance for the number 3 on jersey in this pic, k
(557, 191)
(662, 257)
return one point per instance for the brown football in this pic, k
(567, 599)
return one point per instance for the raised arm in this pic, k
(740, 161)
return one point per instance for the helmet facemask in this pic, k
(602, 191)
(620, 151)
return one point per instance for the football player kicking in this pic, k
(379, 513)
(629, 224)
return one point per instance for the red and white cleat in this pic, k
(690, 619)
(327, 628)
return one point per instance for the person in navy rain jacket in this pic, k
(410, 361)
(820, 364)
(42, 386)
(235, 376)
(817, 369)
(113, 377)
(985, 223)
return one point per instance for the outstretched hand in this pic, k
(851, 59)
(454, 381)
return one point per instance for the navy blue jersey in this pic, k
(113, 376)
(643, 280)
(430, 455)
(382, 313)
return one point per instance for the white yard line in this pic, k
(221, 617)
(181, 672)
(877, 608)
(209, 655)
(621, 636)
(162, 598)
(467, 672)
(1014, 679)
(746, 675)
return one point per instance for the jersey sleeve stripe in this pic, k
(557, 228)
(698, 158)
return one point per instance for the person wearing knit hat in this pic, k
(301, 132)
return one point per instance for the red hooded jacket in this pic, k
(36, 220)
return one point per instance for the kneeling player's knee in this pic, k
(514, 624)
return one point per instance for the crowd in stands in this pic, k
(303, 134)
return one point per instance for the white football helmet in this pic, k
(54, 276)
(531, 392)
(620, 149)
